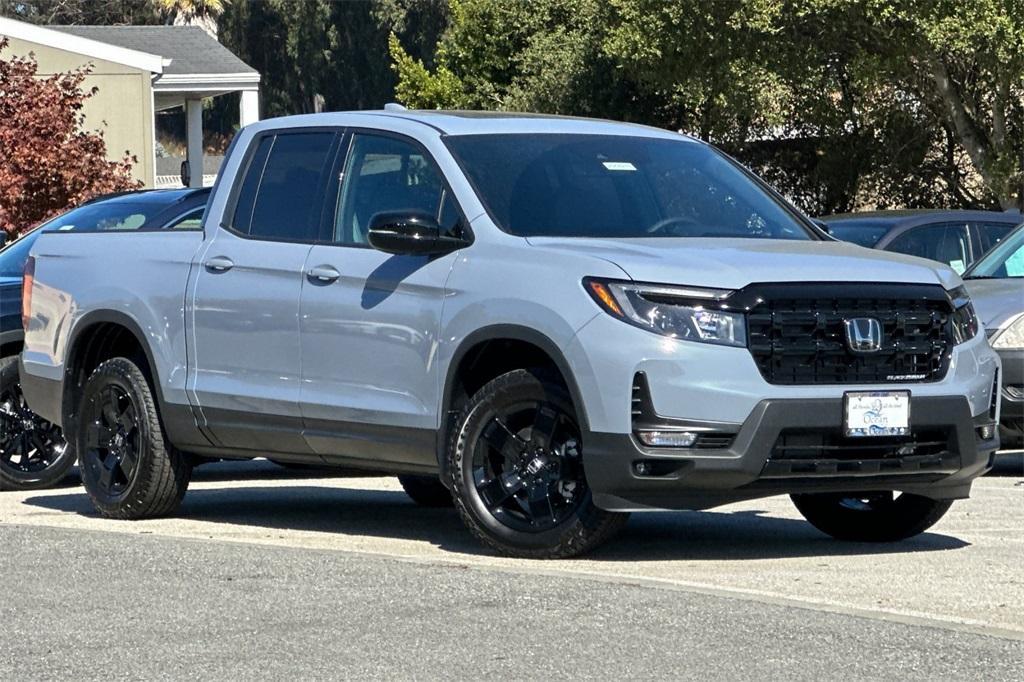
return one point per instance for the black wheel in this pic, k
(516, 464)
(426, 491)
(129, 469)
(871, 517)
(33, 452)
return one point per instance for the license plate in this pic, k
(876, 413)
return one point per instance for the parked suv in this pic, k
(549, 321)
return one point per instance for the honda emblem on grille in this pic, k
(864, 334)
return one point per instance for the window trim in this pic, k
(334, 149)
(342, 162)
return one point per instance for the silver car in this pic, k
(996, 284)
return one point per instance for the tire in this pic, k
(871, 517)
(33, 452)
(517, 439)
(128, 467)
(426, 491)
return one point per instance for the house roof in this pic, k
(143, 59)
(189, 49)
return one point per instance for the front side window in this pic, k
(618, 186)
(947, 243)
(384, 174)
(193, 220)
(992, 233)
(1006, 260)
(280, 197)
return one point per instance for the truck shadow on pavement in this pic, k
(669, 536)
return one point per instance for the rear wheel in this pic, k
(33, 452)
(129, 469)
(426, 491)
(516, 463)
(871, 517)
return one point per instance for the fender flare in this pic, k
(512, 332)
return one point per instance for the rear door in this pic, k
(370, 320)
(244, 355)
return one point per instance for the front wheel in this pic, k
(33, 452)
(516, 462)
(871, 517)
(129, 468)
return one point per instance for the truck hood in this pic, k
(735, 263)
(9, 282)
(996, 300)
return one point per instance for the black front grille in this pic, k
(797, 333)
(827, 452)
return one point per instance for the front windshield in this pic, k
(107, 216)
(618, 186)
(14, 255)
(1006, 260)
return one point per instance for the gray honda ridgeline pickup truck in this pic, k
(549, 322)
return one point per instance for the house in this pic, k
(139, 70)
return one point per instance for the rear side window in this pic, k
(281, 196)
(947, 243)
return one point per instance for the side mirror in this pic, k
(409, 233)
(822, 225)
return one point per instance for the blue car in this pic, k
(33, 452)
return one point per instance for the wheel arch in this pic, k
(475, 343)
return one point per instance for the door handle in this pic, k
(323, 274)
(219, 264)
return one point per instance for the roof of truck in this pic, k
(484, 122)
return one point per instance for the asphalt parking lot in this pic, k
(268, 573)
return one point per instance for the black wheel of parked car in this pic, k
(426, 491)
(129, 468)
(33, 452)
(871, 517)
(516, 461)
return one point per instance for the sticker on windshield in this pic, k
(619, 166)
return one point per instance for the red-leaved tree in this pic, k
(48, 161)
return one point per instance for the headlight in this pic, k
(965, 321)
(1010, 337)
(676, 312)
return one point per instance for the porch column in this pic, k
(194, 138)
(249, 107)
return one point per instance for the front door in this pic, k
(244, 354)
(370, 320)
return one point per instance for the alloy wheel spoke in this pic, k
(109, 411)
(499, 489)
(107, 468)
(545, 424)
(98, 436)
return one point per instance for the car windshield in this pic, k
(618, 186)
(1005, 260)
(864, 235)
(107, 215)
(13, 256)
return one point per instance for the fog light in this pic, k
(986, 432)
(667, 439)
(642, 468)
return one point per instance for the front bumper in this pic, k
(754, 466)
(1011, 421)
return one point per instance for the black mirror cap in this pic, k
(822, 225)
(409, 233)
